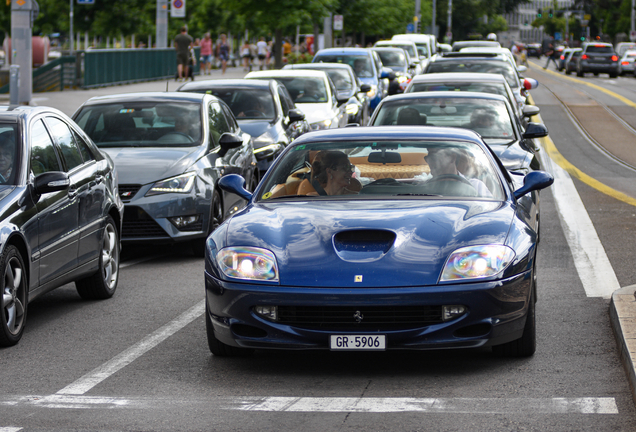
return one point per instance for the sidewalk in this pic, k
(69, 100)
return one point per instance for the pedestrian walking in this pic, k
(261, 52)
(182, 44)
(223, 52)
(206, 54)
(246, 56)
(552, 55)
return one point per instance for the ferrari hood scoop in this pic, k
(363, 245)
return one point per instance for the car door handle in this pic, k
(72, 193)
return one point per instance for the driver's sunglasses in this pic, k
(347, 168)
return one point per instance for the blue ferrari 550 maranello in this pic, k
(376, 239)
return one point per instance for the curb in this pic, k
(623, 320)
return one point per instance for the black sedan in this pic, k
(61, 213)
(263, 109)
(170, 150)
(347, 85)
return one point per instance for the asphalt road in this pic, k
(139, 361)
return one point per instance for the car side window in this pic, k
(43, 153)
(62, 134)
(230, 119)
(86, 153)
(217, 122)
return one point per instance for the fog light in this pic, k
(183, 221)
(267, 312)
(450, 312)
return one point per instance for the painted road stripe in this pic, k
(594, 268)
(584, 405)
(10, 429)
(104, 371)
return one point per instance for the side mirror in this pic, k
(530, 83)
(341, 98)
(535, 130)
(536, 180)
(530, 110)
(364, 88)
(53, 181)
(234, 183)
(229, 141)
(295, 115)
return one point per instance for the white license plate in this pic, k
(358, 342)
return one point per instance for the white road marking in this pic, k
(10, 429)
(591, 262)
(585, 405)
(104, 371)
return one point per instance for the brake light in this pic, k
(562, 57)
(614, 58)
(584, 57)
(625, 63)
(599, 46)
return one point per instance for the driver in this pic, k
(257, 106)
(360, 67)
(311, 91)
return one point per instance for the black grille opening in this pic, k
(137, 223)
(473, 330)
(245, 330)
(364, 240)
(352, 317)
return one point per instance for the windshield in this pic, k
(8, 153)
(140, 124)
(361, 64)
(305, 89)
(600, 49)
(244, 103)
(484, 66)
(341, 79)
(422, 49)
(487, 117)
(392, 58)
(372, 170)
(407, 47)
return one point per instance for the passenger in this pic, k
(444, 162)
(331, 174)
(361, 68)
(410, 116)
(7, 153)
(310, 93)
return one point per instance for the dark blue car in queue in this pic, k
(60, 213)
(374, 239)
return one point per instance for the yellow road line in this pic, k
(589, 84)
(558, 158)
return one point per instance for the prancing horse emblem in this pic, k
(358, 316)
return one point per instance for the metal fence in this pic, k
(104, 67)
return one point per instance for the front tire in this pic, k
(526, 345)
(103, 283)
(14, 296)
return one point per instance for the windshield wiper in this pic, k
(418, 194)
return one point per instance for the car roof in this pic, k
(350, 51)
(458, 76)
(444, 95)
(390, 133)
(317, 65)
(13, 113)
(471, 55)
(149, 96)
(393, 42)
(309, 73)
(236, 83)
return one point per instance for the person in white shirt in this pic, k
(261, 51)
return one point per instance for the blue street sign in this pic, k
(557, 36)
(85, 1)
(410, 28)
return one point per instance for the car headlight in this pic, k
(322, 124)
(179, 184)
(352, 109)
(374, 90)
(475, 262)
(402, 78)
(249, 263)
